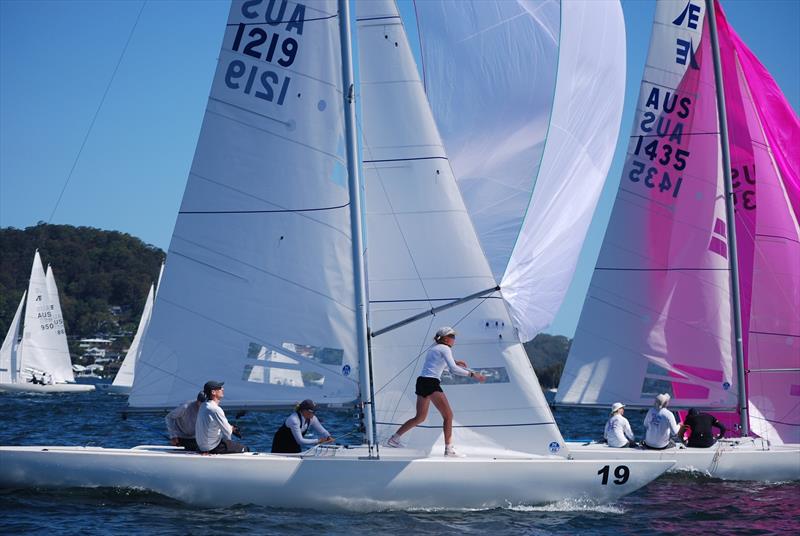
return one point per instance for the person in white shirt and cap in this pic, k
(428, 388)
(212, 429)
(618, 431)
(659, 424)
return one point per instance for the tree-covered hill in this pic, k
(94, 270)
(548, 353)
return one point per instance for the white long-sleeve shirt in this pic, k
(293, 423)
(439, 357)
(182, 420)
(618, 431)
(659, 425)
(211, 426)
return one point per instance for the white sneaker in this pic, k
(394, 442)
(451, 452)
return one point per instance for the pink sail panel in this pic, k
(763, 132)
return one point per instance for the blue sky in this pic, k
(57, 58)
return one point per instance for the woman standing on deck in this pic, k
(429, 388)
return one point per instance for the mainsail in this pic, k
(44, 341)
(423, 252)
(9, 352)
(258, 282)
(657, 317)
(528, 98)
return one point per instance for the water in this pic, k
(673, 504)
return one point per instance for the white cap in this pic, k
(662, 400)
(616, 406)
(444, 332)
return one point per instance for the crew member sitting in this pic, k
(660, 424)
(181, 422)
(699, 425)
(618, 431)
(212, 430)
(290, 437)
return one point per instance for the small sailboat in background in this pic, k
(677, 284)
(38, 361)
(124, 379)
(267, 270)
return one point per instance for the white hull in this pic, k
(735, 459)
(53, 388)
(343, 481)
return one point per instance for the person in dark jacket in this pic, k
(290, 437)
(699, 427)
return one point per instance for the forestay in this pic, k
(528, 97)
(259, 273)
(657, 316)
(423, 251)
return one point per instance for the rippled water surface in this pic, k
(673, 504)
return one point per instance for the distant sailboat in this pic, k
(267, 270)
(124, 379)
(40, 361)
(661, 312)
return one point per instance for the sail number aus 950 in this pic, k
(621, 472)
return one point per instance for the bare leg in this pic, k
(440, 401)
(422, 413)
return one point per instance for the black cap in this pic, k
(307, 404)
(212, 385)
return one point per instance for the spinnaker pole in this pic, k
(354, 185)
(733, 258)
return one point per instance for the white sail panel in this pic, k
(9, 352)
(124, 377)
(529, 98)
(657, 317)
(423, 252)
(61, 364)
(260, 265)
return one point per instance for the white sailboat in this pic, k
(663, 309)
(266, 273)
(124, 379)
(38, 361)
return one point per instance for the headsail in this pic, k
(528, 97)
(259, 272)
(657, 317)
(423, 252)
(9, 352)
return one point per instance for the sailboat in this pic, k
(266, 281)
(680, 279)
(124, 379)
(38, 361)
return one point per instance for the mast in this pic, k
(354, 185)
(730, 216)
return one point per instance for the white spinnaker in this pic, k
(657, 317)
(9, 352)
(423, 252)
(124, 377)
(60, 362)
(528, 96)
(259, 272)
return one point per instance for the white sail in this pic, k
(528, 96)
(44, 345)
(124, 377)
(61, 364)
(9, 352)
(423, 251)
(657, 317)
(260, 258)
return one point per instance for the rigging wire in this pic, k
(96, 113)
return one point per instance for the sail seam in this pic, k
(283, 211)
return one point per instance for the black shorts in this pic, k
(427, 386)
